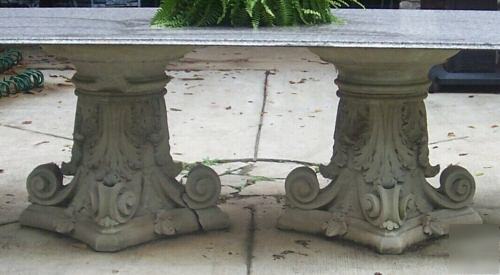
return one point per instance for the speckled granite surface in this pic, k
(362, 28)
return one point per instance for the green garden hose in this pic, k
(20, 82)
(23, 82)
(9, 59)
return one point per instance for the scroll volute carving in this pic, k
(381, 140)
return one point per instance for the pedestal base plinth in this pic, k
(136, 231)
(383, 241)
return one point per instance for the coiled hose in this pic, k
(20, 82)
(9, 58)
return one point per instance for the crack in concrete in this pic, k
(250, 179)
(214, 70)
(233, 187)
(253, 160)
(188, 60)
(223, 161)
(7, 223)
(231, 171)
(240, 188)
(448, 140)
(35, 132)
(250, 240)
(262, 113)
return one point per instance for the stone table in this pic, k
(123, 188)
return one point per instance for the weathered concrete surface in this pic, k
(36, 59)
(237, 58)
(300, 113)
(51, 111)
(465, 130)
(204, 112)
(282, 252)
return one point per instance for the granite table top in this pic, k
(361, 29)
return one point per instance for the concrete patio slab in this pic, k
(300, 113)
(49, 110)
(259, 58)
(465, 130)
(34, 57)
(268, 179)
(264, 187)
(204, 113)
(273, 170)
(283, 252)
(193, 112)
(237, 182)
(235, 167)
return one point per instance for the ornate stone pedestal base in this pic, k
(379, 195)
(123, 189)
(385, 241)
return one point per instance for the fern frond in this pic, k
(249, 13)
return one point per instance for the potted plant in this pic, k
(247, 13)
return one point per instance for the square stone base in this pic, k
(384, 241)
(136, 231)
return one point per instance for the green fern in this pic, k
(248, 13)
